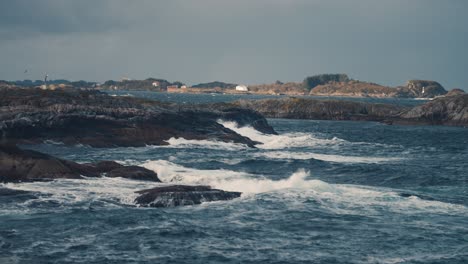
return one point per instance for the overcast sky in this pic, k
(241, 41)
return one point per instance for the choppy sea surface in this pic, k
(319, 192)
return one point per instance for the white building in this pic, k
(242, 88)
(155, 84)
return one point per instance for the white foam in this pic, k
(229, 180)
(339, 198)
(287, 140)
(324, 157)
(208, 144)
(69, 191)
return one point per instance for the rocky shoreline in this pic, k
(20, 165)
(29, 116)
(71, 116)
(99, 120)
(447, 110)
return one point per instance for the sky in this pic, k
(243, 41)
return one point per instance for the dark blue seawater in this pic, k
(319, 192)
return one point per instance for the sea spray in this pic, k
(288, 140)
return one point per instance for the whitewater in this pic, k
(318, 192)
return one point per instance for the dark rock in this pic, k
(448, 110)
(177, 195)
(455, 91)
(133, 172)
(26, 165)
(242, 116)
(247, 117)
(307, 108)
(17, 165)
(99, 120)
(445, 110)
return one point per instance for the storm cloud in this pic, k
(387, 42)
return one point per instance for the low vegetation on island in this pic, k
(317, 85)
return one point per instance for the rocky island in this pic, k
(94, 118)
(317, 85)
(447, 110)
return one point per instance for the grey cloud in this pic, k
(59, 17)
(239, 41)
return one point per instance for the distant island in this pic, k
(318, 85)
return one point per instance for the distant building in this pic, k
(184, 87)
(155, 84)
(173, 87)
(242, 88)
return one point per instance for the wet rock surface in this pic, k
(307, 108)
(18, 165)
(178, 195)
(93, 118)
(448, 110)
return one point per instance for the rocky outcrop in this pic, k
(353, 88)
(96, 119)
(278, 88)
(448, 110)
(233, 112)
(421, 89)
(18, 165)
(177, 195)
(307, 108)
(455, 91)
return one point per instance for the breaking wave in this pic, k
(288, 140)
(117, 191)
(340, 198)
(208, 144)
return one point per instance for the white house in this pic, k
(242, 88)
(155, 84)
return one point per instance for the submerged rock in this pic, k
(11, 192)
(12, 195)
(17, 165)
(177, 195)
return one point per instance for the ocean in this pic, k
(318, 192)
